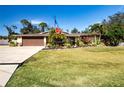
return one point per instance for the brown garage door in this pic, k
(33, 41)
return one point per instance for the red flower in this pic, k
(58, 30)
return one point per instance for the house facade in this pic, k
(41, 39)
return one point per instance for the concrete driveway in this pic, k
(15, 55)
(11, 57)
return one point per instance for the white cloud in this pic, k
(35, 21)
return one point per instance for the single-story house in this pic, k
(41, 39)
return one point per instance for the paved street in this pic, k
(11, 57)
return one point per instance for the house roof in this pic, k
(45, 34)
(37, 34)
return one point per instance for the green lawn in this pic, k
(72, 67)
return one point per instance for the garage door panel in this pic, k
(33, 41)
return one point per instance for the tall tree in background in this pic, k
(11, 32)
(96, 28)
(114, 29)
(3, 37)
(110, 30)
(43, 26)
(25, 22)
(36, 29)
(87, 30)
(75, 30)
(67, 30)
(28, 27)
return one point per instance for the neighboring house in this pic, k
(121, 44)
(41, 39)
(3, 42)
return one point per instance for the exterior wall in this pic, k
(45, 41)
(19, 41)
(94, 39)
(72, 40)
(91, 38)
(87, 38)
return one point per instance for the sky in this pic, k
(68, 16)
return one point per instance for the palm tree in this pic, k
(43, 25)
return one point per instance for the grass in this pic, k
(103, 66)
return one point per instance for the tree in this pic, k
(113, 29)
(55, 39)
(11, 32)
(75, 30)
(25, 22)
(3, 37)
(43, 25)
(87, 30)
(96, 28)
(36, 29)
(25, 30)
(114, 35)
(28, 27)
(67, 30)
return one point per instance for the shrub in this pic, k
(50, 45)
(79, 43)
(95, 42)
(67, 45)
(13, 44)
(56, 40)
